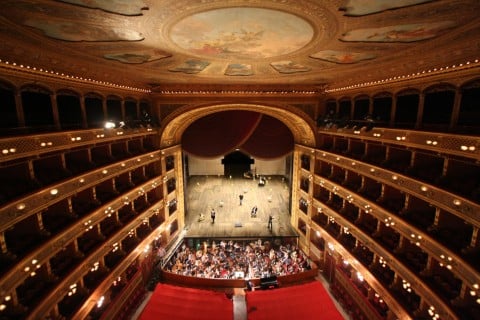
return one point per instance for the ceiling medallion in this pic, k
(244, 33)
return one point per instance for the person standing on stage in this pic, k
(253, 214)
(212, 215)
(241, 198)
(270, 222)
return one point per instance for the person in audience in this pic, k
(250, 285)
(227, 260)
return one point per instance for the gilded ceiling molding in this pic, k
(475, 64)
(123, 7)
(362, 7)
(21, 70)
(177, 122)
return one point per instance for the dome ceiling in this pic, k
(162, 44)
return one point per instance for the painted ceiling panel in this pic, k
(309, 43)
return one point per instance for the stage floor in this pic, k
(233, 220)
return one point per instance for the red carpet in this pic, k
(305, 301)
(179, 303)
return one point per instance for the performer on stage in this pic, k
(253, 214)
(212, 215)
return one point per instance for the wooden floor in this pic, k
(232, 219)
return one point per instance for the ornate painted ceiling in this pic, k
(173, 43)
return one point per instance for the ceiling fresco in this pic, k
(399, 33)
(178, 43)
(241, 33)
(364, 7)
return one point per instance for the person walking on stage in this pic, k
(212, 215)
(253, 214)
(270, 222)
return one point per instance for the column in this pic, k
(370, 105)
(56, 116)
(393, 111)
(84, 112)
(421, 104)
(352, 109)
(122, 108)
(19, 107)
(475, 238)
(138, 110)
(104, 107)
(456, 109)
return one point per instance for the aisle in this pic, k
(239, 304)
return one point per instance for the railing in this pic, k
(236, 283)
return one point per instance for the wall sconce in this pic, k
(72, 289)
(360, 276)
(100, 301)
(389, 222)
(417, 238)
(20, 206)
(406, 285)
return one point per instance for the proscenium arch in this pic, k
(301, 126)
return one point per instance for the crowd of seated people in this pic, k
(332, 119)
(229, 259)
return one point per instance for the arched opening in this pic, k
(236, 164)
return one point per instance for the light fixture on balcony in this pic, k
(416, 239)
(100, 301)
(20, 206)
(360, 277)
(389, 222)
(73, 289)
(446, 261)
(109, 125)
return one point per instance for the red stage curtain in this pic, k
(220, 133)
(271, 139)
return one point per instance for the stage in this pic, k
(232, 220)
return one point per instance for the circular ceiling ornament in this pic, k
(242, 33)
